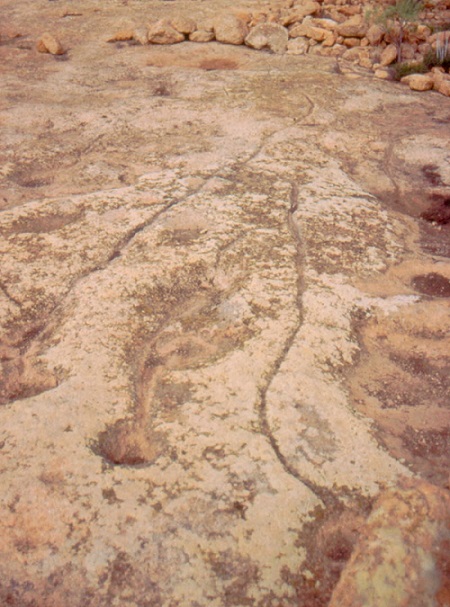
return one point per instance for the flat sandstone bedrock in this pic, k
(190, 259)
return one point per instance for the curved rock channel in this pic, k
(224, 326)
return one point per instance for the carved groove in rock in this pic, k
(223, 261)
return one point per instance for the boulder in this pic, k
(348, 10)
(366, 61)
(297, 14)
(309, 31)
(48, 43)
(122, 35)
(424, 48)
(419, 82)
(140, 34)
(328, 51)
(351, 42)
(257, 18)
(328, 24)
(383, 74)
(274, 16)
(298, 46)
(329, 39)
(443, 87)
(184, 25)
(201, 36)
(375, 34)
(400, 556)
(162, 32)
(334, 14)
(423, 32)
(389, 55)
(268, 35)
(355, 27)
(392, 34)
(243, 15)
(229, 29)
(354, 54)
(441, 80)
(408, 51)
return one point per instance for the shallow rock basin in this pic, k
(224, 322)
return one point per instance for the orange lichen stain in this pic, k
(32, 523)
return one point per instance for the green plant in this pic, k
(439, 57)
(405, 69)
(397, 19)
(442, 47)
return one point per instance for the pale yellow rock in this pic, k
(443, 87)
(354, 54)
(352, 42)
(440, 79)
(229, 29)
(328, 24)
(268, 35)
(48, 43)
(275, 16)
(301, 11)
(329, 39)
(336, 50)
(258, 17)
(242, 14)
(140, 34)
(389, 55)
(298, 30)
(422, 32)
(183, 24)
(122, 35)
(309, 31)
(419, 82)
(349, 10)
(375, 34)
(201, 36)
(355, 27)
(162, 32)
(297, 46)
(408, 51)
(382, 74)
(365, 62)
(424, 48)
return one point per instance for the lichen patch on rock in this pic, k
(224, 343)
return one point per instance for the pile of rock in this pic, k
(436, 79)
(337, 28)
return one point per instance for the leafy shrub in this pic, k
(443, 47)
(397, 19)
(434, 58)
(405, 69)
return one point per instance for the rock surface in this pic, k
(401, 551)
(223, 299)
